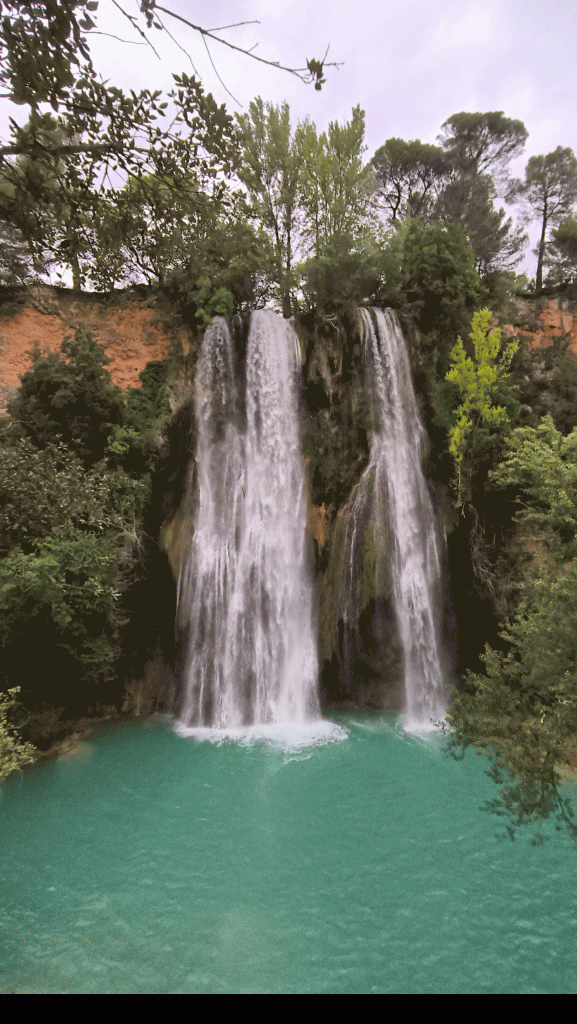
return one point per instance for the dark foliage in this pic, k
(70, 397)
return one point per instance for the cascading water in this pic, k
(245, 600)
(392, 499)
(396, 453)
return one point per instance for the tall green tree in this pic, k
(410, 176)
(478, 149)
(457, 183)
(340, 232)
(336, 192)
(548, 191)
(483, 143)
(432, 268)
(270, 169)
(469, 200)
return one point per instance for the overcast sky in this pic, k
(410, 64)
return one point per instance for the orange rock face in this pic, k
(540, 321)
(131, 333)
(319, 523)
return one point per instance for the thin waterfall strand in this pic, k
(417, 536)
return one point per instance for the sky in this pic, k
(409, 64)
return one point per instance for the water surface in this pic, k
(152, 862)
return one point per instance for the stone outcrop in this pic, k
(131, 330)
(541, 321)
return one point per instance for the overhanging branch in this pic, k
(313, 71)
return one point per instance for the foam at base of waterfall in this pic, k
(419, 727)
(284, 736)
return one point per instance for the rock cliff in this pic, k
(129, 327)
(335, 430)
(541, 320)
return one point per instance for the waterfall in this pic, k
(245, 603)
(415, 540)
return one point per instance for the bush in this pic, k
(13, 751)
(522, 714)
(69, 397)
(47, 491)
(432, 267)
(59, 620)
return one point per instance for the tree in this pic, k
(546, 383)
(43, 44)
(48, 202)
(233, 260)
(149, 227)
(15, 262)
(314, 198)
(60, 619)
(48, 490)
(548, 191)
(469, 201)
(270, 169)
(339, 223)
(522, 713)
(541, 465)
(455, 183)
(432, 268)
(59, 197)
(476, 384)
(61, 178)
(45, 58)
(70, 398)
(478, 149)
(561, 254)
(67, 539)
(483, 143)
(336, 192)
(410, 176)
(62, 193)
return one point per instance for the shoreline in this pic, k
(71, 745)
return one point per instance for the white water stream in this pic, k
(245, 592)
(246, 608)
(416, 534)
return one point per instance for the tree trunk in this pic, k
(286, 299)
(541, 255)
(76, 279)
